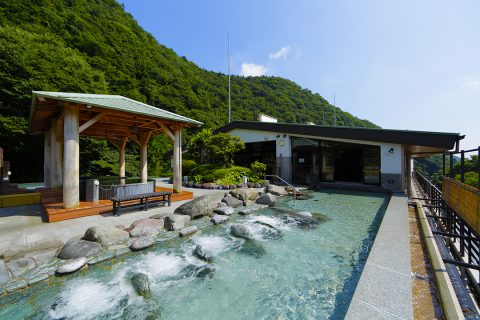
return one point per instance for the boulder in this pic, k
(248, 203)
(232, 201)
(217, 219)
(161, 215)
(257, 185)
(40, 245)
(226, 211)
(209, 185)
(72, 265)
(302, 214)
(141, 283)
(225, 186)
(266, 199)
(19, 266)
(176, 222)
(189, 184)
(200, 206)
(240, 231)
(106, 235)
(201, 254)
(244, 211)
(205, 271)
(142, 243)
(148, 222)
(250, 184)
(144, 231)
(270, 232)
(187, 231)
(277, 190)
(197, 185)
(4, 273)
(245, 194)
(253, 248)
(77, 248)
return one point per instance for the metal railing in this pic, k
(461, 239)
(108, 192)
(278, 178)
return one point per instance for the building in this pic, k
(310, 154)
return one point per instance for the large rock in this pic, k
(146, 228)
(77, 248)
(217, 219)
(19, 266)
(106, 235)
(253, 248)
(176, 222)
(277, 190)
(240, 231)
(270, 231)
(200, 206)
(232, 201)
(142, 243)
(226, 211)
(187, 231)
(266, 199)
(40, 245)
(302, 214)
(72, 265)
(141, 283)
(4, 273)
(161, 215)
(201, 254)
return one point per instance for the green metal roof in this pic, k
(114, 102)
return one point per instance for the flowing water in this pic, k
(290, 270)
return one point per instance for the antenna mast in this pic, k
(229, 96)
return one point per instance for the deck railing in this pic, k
(460, 237)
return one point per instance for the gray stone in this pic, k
(245, 194)
(205, 271)
(16, 285)
(240, 231)
(221, 204)
(77, 248)
(250, 184)
(200, 206)
(187, 231)
(302, 214)
(19, 266)
(257, 185)
(209, 185)
(154, 223)
(4, 273)
(200, 253)
(244, 211)
(103, 256)
(253, 248)
(233, 186)
(42, 256)
(37, 278)
(142, 243)
(226, 211)
(141, 283)
(161, 215)
(40, 245)
(121, 251)
(248, 203)
(106, 235)
(176, 222)
(266, 199)
(144, 231)
(277, 190)
(146, 228)
(72, 265)
(271, 232)
(217, 219)
(232, 201)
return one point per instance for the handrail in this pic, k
(279, 178)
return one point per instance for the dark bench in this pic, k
(144, 200)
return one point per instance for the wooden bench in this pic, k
(144, 200)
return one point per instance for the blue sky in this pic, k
(401, 64)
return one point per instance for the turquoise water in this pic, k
(309, 273)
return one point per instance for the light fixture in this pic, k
(391, 150)
(278, 136)
(284, 135)
(89, 106)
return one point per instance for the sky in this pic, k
(401, 64)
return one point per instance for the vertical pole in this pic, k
(229, 97)
(56, 156)
(409, 174)
(121, 160)
(451, 165)
(443, 164)
(462, 164)
(71, 158)
(478, 167)
(143, 161)
(177, 159)
(47, 159)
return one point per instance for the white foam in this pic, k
(214, 244)
(273, 221)
(161, 265)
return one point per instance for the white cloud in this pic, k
(282, 53)
(471, 84)
(253, 70)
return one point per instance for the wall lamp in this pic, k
(278, 136)
(391, 150)
(284, 135)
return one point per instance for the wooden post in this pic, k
(177, 160)
(47, 159)
(56, 157)
(144, 137)
(71, 158)
(121, 160)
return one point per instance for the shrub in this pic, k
(198, 178)
(208, 178)
(188, 166)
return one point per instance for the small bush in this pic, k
(198, 178)
(205, 169)
(208, 178)
(188, 166)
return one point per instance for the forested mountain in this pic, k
(94, 46)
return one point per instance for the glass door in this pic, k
(371, 165)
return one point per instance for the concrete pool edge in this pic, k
(385, 286)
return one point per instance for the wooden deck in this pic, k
(55, 211)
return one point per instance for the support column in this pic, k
(56, 157)
(71, 158)
(121, 160)
(144, 138)
(177, 160)
(47, 159)
(409, 173)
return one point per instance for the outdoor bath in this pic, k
(288, 269)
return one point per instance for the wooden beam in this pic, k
(91, 122)
(167, 131)
(133, 136)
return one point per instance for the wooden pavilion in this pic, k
(63, 117)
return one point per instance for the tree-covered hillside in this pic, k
(95, 46)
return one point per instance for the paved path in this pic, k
(23, 224)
